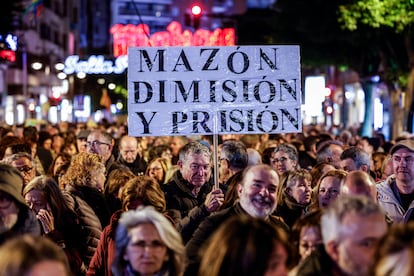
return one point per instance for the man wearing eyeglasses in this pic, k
(24, 162)
(396, 193)
(102, 143)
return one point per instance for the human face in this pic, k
(48, 268)
(281, 162)
(176, 144)
(348, 165)
(81, 144)
(309, 239)
(355, 250)
(98, 179)
(8, 153)
(8, 212)
(167, 155)
(35, 200)
(47, 144)
(71, 149)
(196, 169)
(329, 190)
(403, 164)
(336, 153)
(300, 190)
(59, 162)
(257, 192)
(96, 144)
(155, 171)
(376, 163)
(57, 142)
(365, 146)
(224, 171)
(129, 149)
(26, 168)
(277, 263)
(145, 252)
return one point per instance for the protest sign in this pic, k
(210, 90)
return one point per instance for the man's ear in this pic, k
(180, 164)
(365, 168)
(332, 250)
(288, 191)
(239, 189)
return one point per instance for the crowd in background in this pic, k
(77, 199)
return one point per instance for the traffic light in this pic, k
(56, 98)
(196, 12)
(193, 16)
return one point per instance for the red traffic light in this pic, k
(196, 10)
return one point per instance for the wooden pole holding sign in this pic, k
(216, 159)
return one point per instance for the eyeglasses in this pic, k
(96, 143)
(5, 201)
(25, 169)
(141, 245)
(407, 159)
(281, 160)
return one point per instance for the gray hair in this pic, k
(357, 155)
(324, 149)
(193, 148)
(169, 235)
(332, 218)
(289, 149)
(9, 160)
(236, 153)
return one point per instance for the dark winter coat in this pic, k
(27, 223)
(207, 228)
(186, 209)
(89, 221)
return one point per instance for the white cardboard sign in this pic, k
(214, 90)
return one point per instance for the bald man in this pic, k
(359, 183)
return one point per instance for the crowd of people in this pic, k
(89, 200)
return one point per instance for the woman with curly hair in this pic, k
(84, 183)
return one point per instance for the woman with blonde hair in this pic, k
(328, 188)
(147, 244)
(294, 195)
(84, 182)
(158, 169)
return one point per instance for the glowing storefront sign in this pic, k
(8, 55)
(125, 36)
(95, 65)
